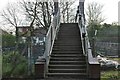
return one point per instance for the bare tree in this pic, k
(43, 15)
(11, 17)
(67, 10)
(94, 13)
(32, 13)
(37, 14)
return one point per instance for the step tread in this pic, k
(68, 50)
(66, 55)
(66, 61)
(66, 58)
(67, 69)
(67, 65)
(67, 74)
(58, 52)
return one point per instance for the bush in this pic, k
(8, 40)
(14, 64)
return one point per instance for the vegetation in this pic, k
(94, 13)
(10, 69)
(105, 32)
(110, 75)
(8, 40)
(14, 64)
(0, 64)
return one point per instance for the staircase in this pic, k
(67, 60)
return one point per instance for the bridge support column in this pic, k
(40, 68)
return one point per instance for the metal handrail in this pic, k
(50, 37)
(87, 51)
(81, 32)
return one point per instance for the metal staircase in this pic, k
(68, 54)
(67, 60)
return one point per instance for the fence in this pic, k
(107, 48)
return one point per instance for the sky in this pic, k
(110, 9)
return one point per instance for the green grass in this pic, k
(110, 75)
(115, 59)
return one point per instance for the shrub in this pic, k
(14, 64)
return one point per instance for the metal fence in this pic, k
(107, 48)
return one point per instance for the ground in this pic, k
(111, 74)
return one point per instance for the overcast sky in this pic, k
(110, 10)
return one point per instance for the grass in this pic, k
(115, 59)
(111, 74)
(106, 74)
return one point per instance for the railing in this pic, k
(41, 65)
(50, 37)
(93, 66)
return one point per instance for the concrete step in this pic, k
(68, 42)
(62, 40)
(66, 55)
(67, 30)
(68, 47)
(67, 51)
(67, 66)
(67, 39)
(77, 35)
(56, 44)
(67, 75)
(62, 49)
(68, 25)
(67, 70)
(64, 78)
(67, 62)
(66, 59)
(73, 36)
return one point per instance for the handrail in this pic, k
(50, 37)
(87, 51)
(81, 32)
